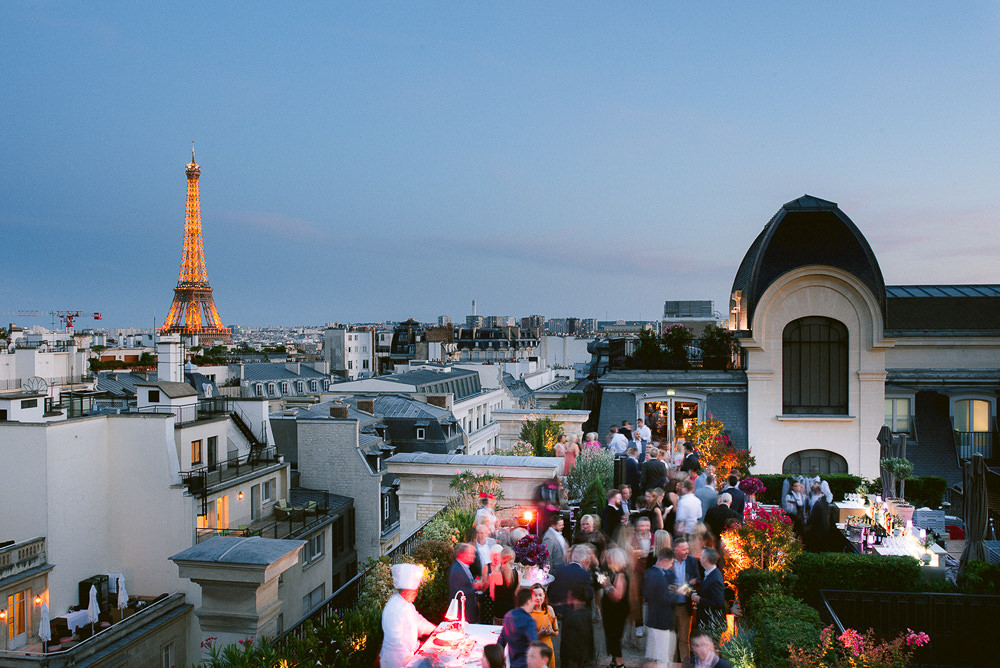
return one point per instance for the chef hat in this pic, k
(407, 576)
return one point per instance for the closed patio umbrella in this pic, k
(44, 627)
(93, 610)
(976, 512)
(122, 594)
(884, 439)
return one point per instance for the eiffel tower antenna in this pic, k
(193, 311)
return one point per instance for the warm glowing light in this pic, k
(3, 614)
(528, 515)
(730, 631)
(240, 495)
(38, 600)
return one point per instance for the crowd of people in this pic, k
(646, 566)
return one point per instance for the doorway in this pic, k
(17, 619)
(668, 419)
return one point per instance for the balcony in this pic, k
(114, 643)
(968, 443)
(20, 558)
(202, 480)
(314, 510)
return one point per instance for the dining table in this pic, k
(75, 619)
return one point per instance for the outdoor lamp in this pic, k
(240, 495)
(3, 614)
(455, 612)
(38, 600)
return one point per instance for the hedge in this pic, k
(926, 491)
(753, 581)
(781, 620)
(865, 572)
(982, 578)
(840, 484)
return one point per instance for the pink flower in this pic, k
(852, 640)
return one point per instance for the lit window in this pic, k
(897, 415)
(196, 452)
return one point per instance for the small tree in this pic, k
(543, 434)
(716, 348)
(715, 447)
(647, 354)
(592, 465)
(571, 402)
(676, 340)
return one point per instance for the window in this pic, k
(259, 389)
(284, 387)
(280, 623)
(300, 386)
(421, 433)
(196, 452)
(167, 656)
(313, 598)
(313, 549)
(314, 385)
(17, 618)
(29, 403)
(272, 389)
(222, 512)
(350, 364)
(972, 428)
(385, 510)
(154, 396)
(897, 415)
(814, 367)
(213, 450)
(364, 364)
(268, 490)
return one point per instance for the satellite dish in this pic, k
(35, 385)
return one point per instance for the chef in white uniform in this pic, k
(401, 622)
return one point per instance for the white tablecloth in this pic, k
(483, 634)
(75, 620)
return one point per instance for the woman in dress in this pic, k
(654, 508)
(591, 441)
(501, 584)
(572, 452)
(545, 618)
(615, 603)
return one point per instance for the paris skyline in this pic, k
(362, 163)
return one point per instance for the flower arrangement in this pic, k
(751, 486)
(530, 551)
(470, 485)
(856, 650)
(766, 541)
(517, 449)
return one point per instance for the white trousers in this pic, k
(660, 645)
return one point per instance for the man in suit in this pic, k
(653, 472)
(817, 531)
(611, 515)
(660, 594)
(711, 596)
(690, 463)
(632, 468)
(555, 542)
(460, 579)
(574, 573)
(717, 516)
(687, 571)
(739, 498)
(706, 493)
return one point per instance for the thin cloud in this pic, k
(280, 225)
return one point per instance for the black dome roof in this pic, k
(806, 231)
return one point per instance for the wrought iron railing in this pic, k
(349, 595)
(968, 443)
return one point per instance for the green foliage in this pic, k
(592, 465)
(751, 582)
(98, 349)
(676, 340)
(543, 434)
(245, 654)
(926, 491)
(435, 556)
(780, 621)
(647, 353)
(869, 572)
(441, 530)
(470, 484)
(570, 402)
(717, 346)
(352, 639)
(517, 449)
(982, 578)
(461, 516)
(840, 484)
(377, 588)
(594, 498)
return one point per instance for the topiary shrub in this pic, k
(591, 465)
(594, 498)
(861, 572)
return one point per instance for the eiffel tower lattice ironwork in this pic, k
(193, 309)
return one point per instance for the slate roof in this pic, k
(171, 389)
(970, 310)
(399, 406)
(235, 550)
(426, 376)
(123, 383)
(258, 371)
(806, 231)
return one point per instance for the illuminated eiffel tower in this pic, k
(193, 309)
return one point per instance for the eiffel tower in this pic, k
(193, 295)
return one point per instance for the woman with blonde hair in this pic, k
(501, 582)
(590, 441)
(654, 508)
(572, 452)
(700, 538)
(615, 604)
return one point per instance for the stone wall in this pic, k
(511, 420)
(424, 481)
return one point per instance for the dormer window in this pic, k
(154, 396)
(284, 387)
(421, 433)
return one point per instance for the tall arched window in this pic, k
(814, 367)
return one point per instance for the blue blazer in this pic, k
(713, 596)
(458, 579)
(656, 590)
(632, 474)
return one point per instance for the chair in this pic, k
(311, 508)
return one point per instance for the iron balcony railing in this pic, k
(968, 443)
(349, 595)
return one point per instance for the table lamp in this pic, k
(455, 612)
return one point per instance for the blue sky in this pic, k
(366, 161)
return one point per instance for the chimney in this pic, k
(439, 400)
(338, 410)
(366, 405)
(168, 359)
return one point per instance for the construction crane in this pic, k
(67, 318)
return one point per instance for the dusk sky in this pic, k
(367, 161)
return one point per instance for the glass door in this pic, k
(668, 419)
(17, 619)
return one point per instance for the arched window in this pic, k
(810, 462)
(814, 367)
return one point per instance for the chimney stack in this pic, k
(168, 359)
(338, 410)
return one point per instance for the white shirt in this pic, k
(688, 511)
(402, 625)
(618, 444)
(644, 434)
